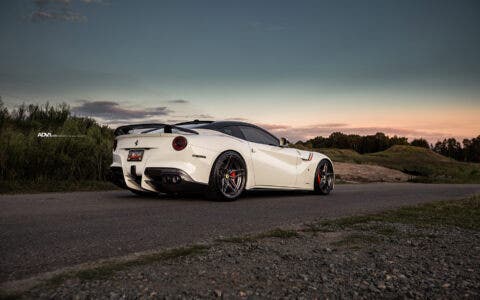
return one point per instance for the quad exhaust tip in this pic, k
(171, 179)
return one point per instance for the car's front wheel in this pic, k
(228, 177)
(324, 177)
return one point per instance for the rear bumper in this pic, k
(159, 179)
(172, 180)
(117, 177)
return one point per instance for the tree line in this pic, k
(468, 150)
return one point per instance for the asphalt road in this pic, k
(44, 232)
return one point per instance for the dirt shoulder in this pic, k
(427, 251)
(356, 173)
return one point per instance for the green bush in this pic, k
(26, 157)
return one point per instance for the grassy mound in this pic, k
(427, 165)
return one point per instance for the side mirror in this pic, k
(284, 142)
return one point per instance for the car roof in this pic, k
(216, 125)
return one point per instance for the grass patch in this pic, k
(236, 239)
(26, 187)
(419, 235)
(425, 164)
(356, 240)
(107, 270)
(275, 233)
(342, 223)
(279, 233)
(463, 213)
(386, 230)
(316, 227)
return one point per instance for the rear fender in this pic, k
(217, 145)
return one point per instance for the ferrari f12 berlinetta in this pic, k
(221, 159)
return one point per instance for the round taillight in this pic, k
(179, 143)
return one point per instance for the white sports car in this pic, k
(222, 159)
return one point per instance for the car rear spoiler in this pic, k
(122, 130)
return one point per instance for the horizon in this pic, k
(298, 69)
(46, 106)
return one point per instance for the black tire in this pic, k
(324, 178)
(228, 177)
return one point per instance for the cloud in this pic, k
(192, 117)
(240, 119)
(201, 116)
(174, 121)
(178, 101)
(274, 126)
(58, 10)
(44, 3)
(66, 16)
(113, 111)
(332, 125)
(307, 132)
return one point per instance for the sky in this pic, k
(298, 68)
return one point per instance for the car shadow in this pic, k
(248, 195)
(274, 193)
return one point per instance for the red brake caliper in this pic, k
(318, 178)
(233, 174)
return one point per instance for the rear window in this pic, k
(233, 131)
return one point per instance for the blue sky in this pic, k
(301, 68)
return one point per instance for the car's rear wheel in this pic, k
(324, 177)
(228, 177)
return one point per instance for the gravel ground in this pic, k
(369, 260)
(355, 173)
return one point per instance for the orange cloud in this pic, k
(307, 132)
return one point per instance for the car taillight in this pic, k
(179, 143)
(114, 145)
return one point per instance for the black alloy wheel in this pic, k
(228, 177)
(324, 177)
